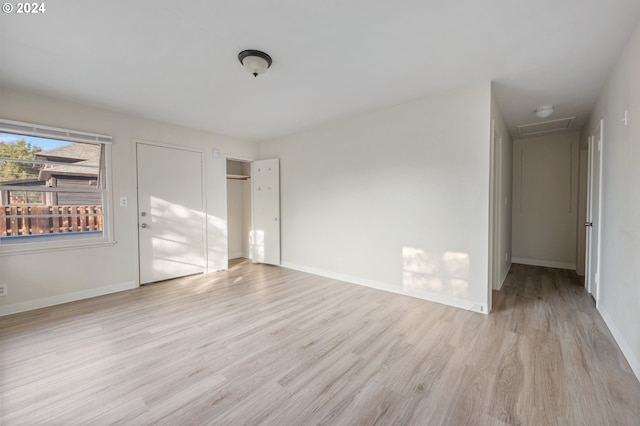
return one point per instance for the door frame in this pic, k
(494, 214)
(497, 206)
(205, 224)
(587, 217)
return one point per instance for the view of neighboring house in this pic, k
(75, 165)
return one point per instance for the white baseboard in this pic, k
(432, 297)
(504, 276)
(236, 255)
(65, 298)
(546, 263)
(632, 358)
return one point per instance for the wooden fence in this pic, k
(29, 220)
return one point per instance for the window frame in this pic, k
(10, 193)
(65, 241)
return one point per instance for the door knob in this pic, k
(144, 225)
(588, 224)
(143, 214)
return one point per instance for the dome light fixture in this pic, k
(544, 111)
(255, 61)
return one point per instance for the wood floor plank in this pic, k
(258, 344)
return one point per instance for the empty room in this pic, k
(304, 213)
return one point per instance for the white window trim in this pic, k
(66, 242)
(48, 132)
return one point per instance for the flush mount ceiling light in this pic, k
(544, 111)
(254, 61)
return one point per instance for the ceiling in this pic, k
(177, 61)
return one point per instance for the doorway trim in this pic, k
(239, 159)
(494, 223)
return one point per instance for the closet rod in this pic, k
(238, 177)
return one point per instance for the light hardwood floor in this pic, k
(266, 345)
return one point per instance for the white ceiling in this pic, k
(177, 61)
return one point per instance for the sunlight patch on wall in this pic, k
(456, 264)
(214, 222)
(256, 245)
(444, 273)
(217, 231)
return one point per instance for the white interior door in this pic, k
(171, 225)
(264, 238)
(594, 211)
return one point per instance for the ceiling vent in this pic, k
(546, 126)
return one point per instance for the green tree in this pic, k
(12, 170)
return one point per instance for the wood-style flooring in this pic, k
(265, 345)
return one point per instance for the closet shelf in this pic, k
(238, 177)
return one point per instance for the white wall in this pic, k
(545, 200)
(502, 212)
(619, 299)
(395, 199)
(235, 215)
(54, 277)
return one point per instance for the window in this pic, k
(24, 197)
(53, 186)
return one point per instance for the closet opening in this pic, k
(238, 209)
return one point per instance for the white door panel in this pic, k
(170, 213)
(594, 210)
(265, 235)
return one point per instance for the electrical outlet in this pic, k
(4, 289)
(340, 261)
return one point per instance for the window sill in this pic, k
(23, 248)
